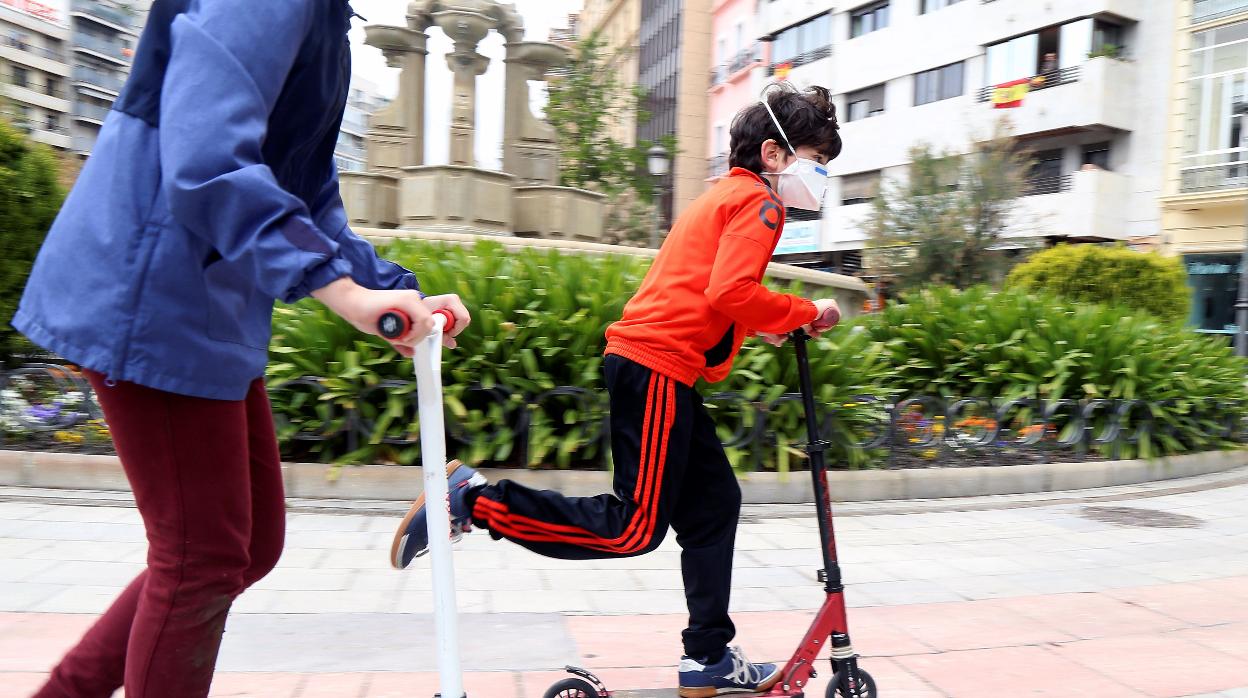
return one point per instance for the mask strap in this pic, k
(767, 106)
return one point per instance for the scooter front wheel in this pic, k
(571, 688)
(866, 686)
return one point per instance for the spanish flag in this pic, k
(782, 71)
(1010, 94)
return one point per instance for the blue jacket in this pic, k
(211, 192)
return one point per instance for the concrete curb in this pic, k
(315, 481)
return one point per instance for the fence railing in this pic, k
(1056, 184)
(1043, 81)
(42, 399)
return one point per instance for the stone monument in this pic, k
(401, 191)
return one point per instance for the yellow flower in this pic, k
(68, 437)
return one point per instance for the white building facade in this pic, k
(911, 71)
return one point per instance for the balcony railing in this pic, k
(115, 50)
(25, 47)
(717, 166)
(1044, 81)
(1206, 10)
(91, 112)
(744, 59)
(98, 78)
(1056, 184)
(803, 59)
(100, 11)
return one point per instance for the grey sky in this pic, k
(540, 16)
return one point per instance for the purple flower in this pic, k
(45, 413)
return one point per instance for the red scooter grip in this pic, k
(830, 318)
(394, 323)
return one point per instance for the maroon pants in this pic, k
(207, 480)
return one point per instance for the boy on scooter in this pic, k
(701, 298)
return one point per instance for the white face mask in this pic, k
(803, 182)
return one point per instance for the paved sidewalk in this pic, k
(1146, 595)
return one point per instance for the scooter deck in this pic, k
(668, 693)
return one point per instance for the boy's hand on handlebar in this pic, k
(827, 316)
(775, 340)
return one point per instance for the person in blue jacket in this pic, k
(210, 194)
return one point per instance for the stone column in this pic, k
(530, 144)
(466, 27)
(396, 136)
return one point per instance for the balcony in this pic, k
(115, 51)
(108, 16)
(57, 136)
(25, 54)
(745, 58)
(49, 99)
(90, 113)
(1097, 95)
(1209, 10)
(1005, 18)
(98, 79)
(1083, 205)
(1038, 186)
(801, 59)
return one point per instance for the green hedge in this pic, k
(1011, 345)
(1109, 275)
(539, 319)
(29, 199)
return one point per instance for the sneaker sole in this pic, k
(400, 535)
(711, 692)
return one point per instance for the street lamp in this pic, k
(1241, 303)
(659, 163)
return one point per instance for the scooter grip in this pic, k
(394, 323)
(829, 319)
(450, 319)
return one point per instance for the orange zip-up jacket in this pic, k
(704, 293)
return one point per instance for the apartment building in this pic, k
(103, 37)
(910, 71)
(1206, 175)
(34, 70)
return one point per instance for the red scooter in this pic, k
(830, 626)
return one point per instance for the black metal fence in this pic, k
(40, 400)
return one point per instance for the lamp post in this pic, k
(659, 163)
(1241, 303)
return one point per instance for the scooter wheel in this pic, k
(571, 688)
(866, 686)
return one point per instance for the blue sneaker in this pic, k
(412, 539)
(731, 674)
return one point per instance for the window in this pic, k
(1106, 38)
(865, 103)
(860, 188)
(1045, 174)
(868, 19)
(926, 6)
(1096, 155)
(21, 77)
(1212, 154)
(940, 83)
(53, 87)
(1214, 280)
(54, 122)
(802, 40)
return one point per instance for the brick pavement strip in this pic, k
(986, 602)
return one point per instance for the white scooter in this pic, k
(392, 325)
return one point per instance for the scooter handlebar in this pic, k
(829, 319)
(395, 323)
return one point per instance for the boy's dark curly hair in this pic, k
(808, 117)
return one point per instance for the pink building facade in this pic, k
(738, 74)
